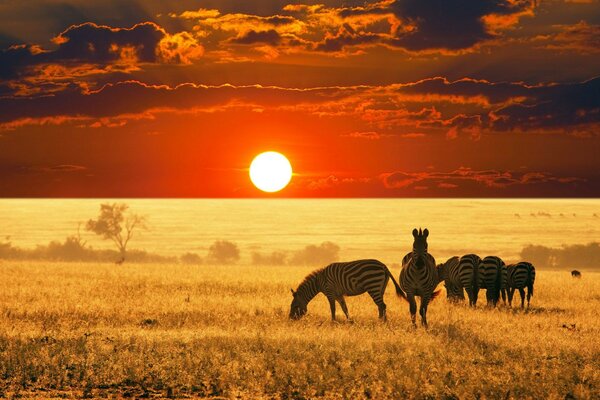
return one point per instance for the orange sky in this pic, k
(415, 98)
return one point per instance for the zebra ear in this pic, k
(425, 233)
(293, 293)
(415, 232)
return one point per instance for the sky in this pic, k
(392, 98)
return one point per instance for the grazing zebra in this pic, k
(448, 272)
(492, 273)
(520, 275)
(344, 279)
(467, 276)
(419, 276)
(575, 274)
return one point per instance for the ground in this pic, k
(136, 330)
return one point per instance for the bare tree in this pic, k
(116, 224)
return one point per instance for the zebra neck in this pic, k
(309, 289)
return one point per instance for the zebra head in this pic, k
(420, 247)
(298, 306)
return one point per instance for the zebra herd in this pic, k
(420, 277)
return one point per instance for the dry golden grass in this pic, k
(73, 330)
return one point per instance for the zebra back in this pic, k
(521, 275)
(467, 273)
(354, 277)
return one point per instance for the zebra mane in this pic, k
(310, 277)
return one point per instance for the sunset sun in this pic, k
(270, 171)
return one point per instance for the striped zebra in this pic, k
(419, 276)
(344, 279)
(466, 276)
(492, 277)
(520, 276)
(448, 272)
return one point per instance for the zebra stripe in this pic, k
(418, 276)
(492, 273)
(344, 279)
(467, 276)
(520, 276)
(448, 272)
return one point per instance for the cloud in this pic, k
(487, 178)
(464, 107)
(94, 47)
(270, 37)
(581, 38)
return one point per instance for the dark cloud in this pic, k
(555, 107)
(455, 24)
(270, 37)
(89, 43)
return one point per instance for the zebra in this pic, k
(418, 276)
(520, 275)
(492, 277)
(448, 273)
(575, 274)
(466, 276)
(344, 279)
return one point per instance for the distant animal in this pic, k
(492, 277)
(120, 261)
(448, 272)
(520, 276)
(575, 274)
(418, 276)
(344, 279)
(467, 276)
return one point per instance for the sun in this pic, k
(270, 171)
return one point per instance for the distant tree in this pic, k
(190, 258)
(223, 252)
(115, 223)
(325, 253)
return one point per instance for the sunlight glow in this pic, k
(270, 171)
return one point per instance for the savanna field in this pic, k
(72, 330)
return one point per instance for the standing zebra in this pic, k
(492, 277)
(418, 276)
(520, 275)
(448, 272)
(344, 279)
(467, 276)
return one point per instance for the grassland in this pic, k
(98, 330)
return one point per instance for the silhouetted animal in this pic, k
(344, 279)
(520, 275)
(467, 276)
(419, 276)
(575, 274)
(120, 261)
(492, 277)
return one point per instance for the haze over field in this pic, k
(367, 228)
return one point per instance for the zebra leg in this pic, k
(471, 297)
(503, 291)
(522, 293)
(332, 307)
(511, 293)
(378, 299)
(423, 310)
(342, 302)
(413, 309)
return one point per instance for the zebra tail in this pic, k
(529, 282)
(399, 291)
(435, 294)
